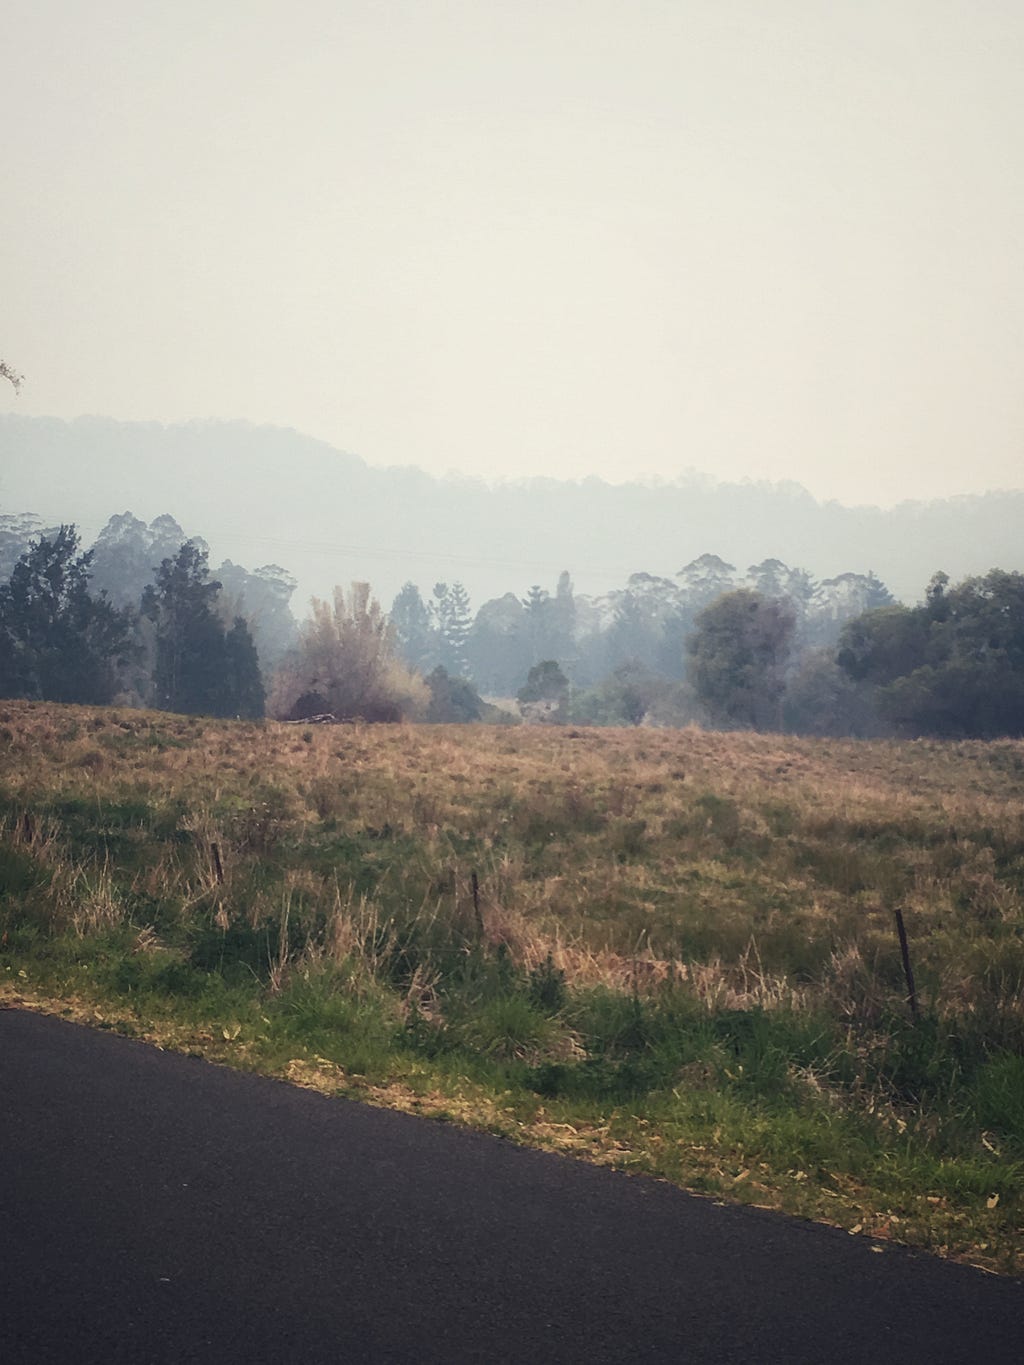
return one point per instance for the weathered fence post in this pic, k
(908, 971)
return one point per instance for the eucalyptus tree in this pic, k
(738, 654)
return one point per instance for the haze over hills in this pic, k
(267, 494)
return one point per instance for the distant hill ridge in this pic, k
(262, 493)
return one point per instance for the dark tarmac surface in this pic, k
(154, 1208)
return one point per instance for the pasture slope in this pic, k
(667, 951)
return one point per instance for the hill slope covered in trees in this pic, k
(263, 494)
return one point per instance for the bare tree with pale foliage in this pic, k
(346, 664)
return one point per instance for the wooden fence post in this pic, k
(908, 971)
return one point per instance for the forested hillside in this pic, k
(267, 495)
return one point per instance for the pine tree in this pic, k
(415, 636)
(539, 623)
(455, 621)
(563, 610)
(57, 642)
(196, 670)
(189, 637)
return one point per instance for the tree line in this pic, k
(141, 618)
(646, 622)
(60, 640)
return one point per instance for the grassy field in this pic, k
(672, 951)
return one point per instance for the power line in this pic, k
(387, 552)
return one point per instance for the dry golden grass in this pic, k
(631, 857)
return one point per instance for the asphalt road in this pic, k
(155, 1208)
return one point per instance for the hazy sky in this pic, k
(777, 239)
